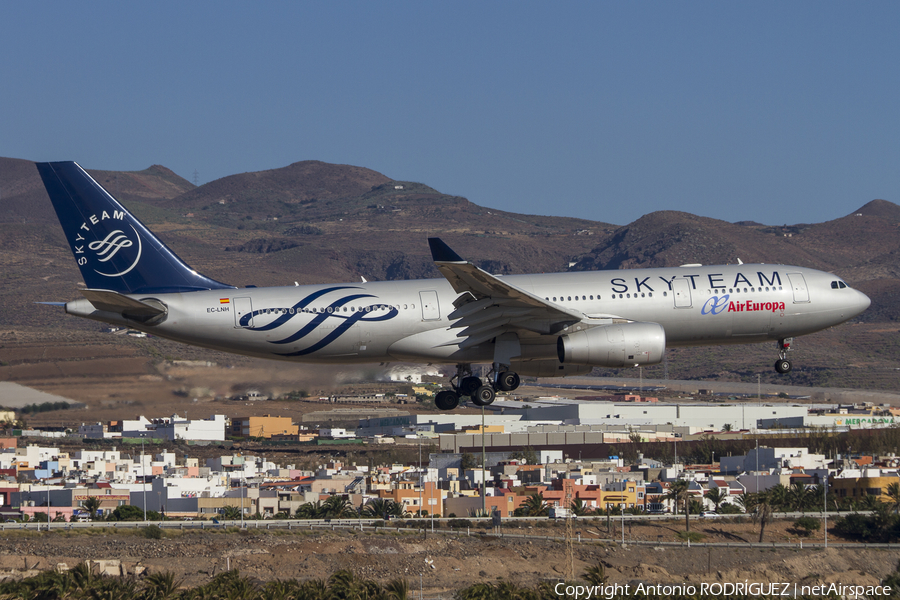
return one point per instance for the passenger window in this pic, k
(569, 298)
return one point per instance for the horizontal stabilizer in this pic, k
(115, 302)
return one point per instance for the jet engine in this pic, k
(618, 345)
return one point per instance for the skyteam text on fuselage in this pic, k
(538, 325)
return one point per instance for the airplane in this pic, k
(546, 325)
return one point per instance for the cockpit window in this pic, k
(835, 285)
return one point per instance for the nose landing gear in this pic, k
(783, 365)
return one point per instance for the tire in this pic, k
(483, 395)
(508, 381)
(783, 366)
(469, 385)
(446, 400)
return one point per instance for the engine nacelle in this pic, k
(619, 345)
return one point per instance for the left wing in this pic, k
(489, 306)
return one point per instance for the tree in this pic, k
(308, 511)
(92, 505)
(534, 506)
(382, 508)
(778, 497)
(337, 507)
(231, 512)
(468, 461)
(595, 575)
(799, 497)
(678, 493)
(578, 507)
(128, 512)
(716, 495)
(160, 586)
(764, 508)
(893, 493)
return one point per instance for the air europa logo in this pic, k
(718, 304)
(108, 249)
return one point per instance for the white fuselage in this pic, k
(408, 320)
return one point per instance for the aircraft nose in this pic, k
(861, 304)
(864, 302)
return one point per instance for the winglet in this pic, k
(441, 252)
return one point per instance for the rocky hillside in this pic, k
(313, 222)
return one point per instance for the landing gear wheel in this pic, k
(469, 385)
(508, 381)
(783, 365)
(483, 395)
(446, 400)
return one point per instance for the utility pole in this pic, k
(420, 475)
(143, 473)
(483, 460)
(570, 545)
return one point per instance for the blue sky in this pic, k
(778, 112)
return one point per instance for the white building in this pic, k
(177, 428)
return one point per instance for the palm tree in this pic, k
(678, 492)
(578, 507)
(160, 586)
(893, 493)
(337, 507)
(92, 505)
(343, 585)
(595, 575)
(313, 589)
(308, 511)
(716, 495)
(231, 512)
(747, 501)
(397, 589)
(382, 508)
(799, 496)
(763, 513)
(778, 497)
(534, 506)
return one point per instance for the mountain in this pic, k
(314, 222)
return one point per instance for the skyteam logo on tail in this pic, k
(115, 254)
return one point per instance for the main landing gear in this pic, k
(466, 384)
(783, 365)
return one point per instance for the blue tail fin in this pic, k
(113, 249)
